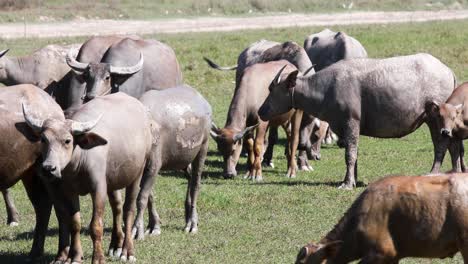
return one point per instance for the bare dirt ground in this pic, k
(208, 24)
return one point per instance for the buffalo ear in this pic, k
(329, 249)
(291, 79)
(432, 107)
(89, 140)
(459, 108)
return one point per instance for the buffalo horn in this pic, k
(127, 70)
(79, 128)
(3, 52)
(74, 64)
(240, 135)
(33, 122)
(277, 78)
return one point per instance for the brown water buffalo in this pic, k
(20, 150)
(182, 122)
(132, 66)
(383, 98)
(451, 118)
(242, 119)
(327, 47)
(85, 155)
(399, 217)
(312, 133)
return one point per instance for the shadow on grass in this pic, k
(51, 232)
(309, 183)
(12, 257)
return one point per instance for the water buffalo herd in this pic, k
(109, 114)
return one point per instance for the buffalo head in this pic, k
(317, 253)
(280, 99)
(448, 117)
(99, 77)
(59, 139)
(229, 145)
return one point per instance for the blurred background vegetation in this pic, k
(58, 10)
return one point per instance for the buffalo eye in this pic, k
(107, 77)
(67, 141)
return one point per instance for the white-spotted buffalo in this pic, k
(451, 119)
(182, 122)
(399, 217)
(132, 66)
(21, 148)
(103, 147)
(384, 98)
(327, 47)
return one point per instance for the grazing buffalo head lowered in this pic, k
(100, 77)
(317, 253)
(229, 145)
(59, 139)
(448, 116)
(280, 99)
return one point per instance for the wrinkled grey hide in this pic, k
(383, 98)
(182, 121)
(327, 47)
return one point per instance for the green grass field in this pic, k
(55, 10)
(242, 221)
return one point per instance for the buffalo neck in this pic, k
(303, 62)
(15, 68)
(309, 94)
(75, 164)
(237, 114)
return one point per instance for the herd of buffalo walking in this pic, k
(112, 112)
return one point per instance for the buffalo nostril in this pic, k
(49, 168)
(445, 132)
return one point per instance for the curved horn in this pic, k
(127, 70)
(33, 122)
(79, 128)
(240, 135)
(308, 70)
(277, 78)
(3, 52)
(216, 66)
(74, 64)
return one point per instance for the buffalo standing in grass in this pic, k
(383, 98)
(85, 155)
(399, 217)
(182, 122)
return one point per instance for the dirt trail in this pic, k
(206, 24)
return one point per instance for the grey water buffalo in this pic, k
(451, 117)
(383, 98)
(327, 47)
(312, 132)
(242, 119)
(45, 68)
(261, 52)
(84, 155)
(132, 66)
(399, 217)
(20, 149)
(182, 122)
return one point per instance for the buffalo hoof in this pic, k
(137, 233)
(347, 186)
(191, 227)
(13, 224)
(307, 168)
(155, 231)
(115, 253)
(269, 164)
(129, 259)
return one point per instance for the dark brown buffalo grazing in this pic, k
(242, 119)
(182, 122)
(84, 155)
(383, 98)
(451, 118)
(399, 217)
(132, 66)
(21, 148)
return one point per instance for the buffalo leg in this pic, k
(303, 161)
(76, 251)
(145, 198)
(272, 140)
(193, 188)
(131, 193)
(42, 207)
(115, 246)
(97, 229)
(293, 143)
(454, 150)
(251, 157)
(351, 140)
(12, 213)
(258, 151)
(440, 147)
